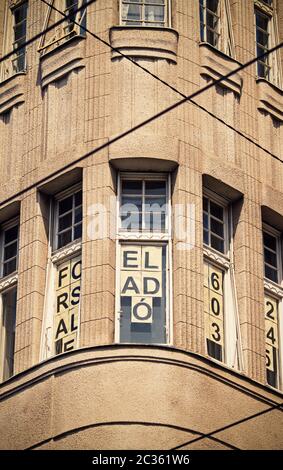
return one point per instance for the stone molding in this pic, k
(158, 43)
(12, 92)
(270, 99)
(214, 64)
(62, 60)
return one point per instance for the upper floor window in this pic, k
(75, 23)
(8, 304)
(10, 246)
(271, 256)
(145, 12)
(222, 332)
(15, 36)
(267, 36)
(216, 25)
(68, 218)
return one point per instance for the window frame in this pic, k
(20, 52)
(145, 238)
(224, 262)
(146, 24)
(204, 27)
(4, 289)
(15, 221)
(55, 216)
(275, 290)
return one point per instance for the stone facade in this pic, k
(73, 99)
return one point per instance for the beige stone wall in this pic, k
(98, 98)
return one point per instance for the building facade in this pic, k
(141, 275)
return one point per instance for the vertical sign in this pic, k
(66, 318)
(142, 291)
(214, 310)
(271, 339)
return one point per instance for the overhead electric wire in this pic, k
(168, 85)
(144, 123)
(231, 425)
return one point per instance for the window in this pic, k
(8, 325)
(222, 330)
(68, 218)
(273, 301)
(145, 12)
(15, 36)
(10, 246)
(267, 36)
(143, 247)
(75, 23)
(63, 279)
(216, 25)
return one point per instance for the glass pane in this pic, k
(212, 5)
(216, 210)
(205, 237)
(155, 204)
(10, 251)
(64, 238)
(269, 241)
(65, 205)
(271, 273)
(10, 267)
(205, 220)
(131, 221)
(205, 204)
(9, 322)
(157, 2)
(131, 204)
(78, 198)
(78, 214)
(262, 38)
(131, 187)
(20, 13)
(217, 244)
(262, 21)
(155, 188)
(11, 234)
(65, 221)
(154, 221)
(212, 38)
(270, 257)
(131, 12)
(211, 21)
(78, 231)
(20, 31)
(154, 13)
(217, 227)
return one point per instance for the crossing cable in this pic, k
(231, 425)
(168, 85)
(42, 33)
(143, 123)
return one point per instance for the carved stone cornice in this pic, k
(12, 92)
(270, 99)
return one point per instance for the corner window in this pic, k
(20, 32)
(143, 247)
(63, 279)
(222, 330)
(68, 214)
(8, 303)
(216, 25)
(10, 247)
(144, 12)
(273, 301)
(267, 36)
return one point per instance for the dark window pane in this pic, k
(78, 214)
(11, 234)
(20, 13)
(10, 251)
(262, 38)
(65, 221)
(65, 205)
(270, 257)
(132, 187)
(262, 21)
(154, 13)
(157, 188)
(217, 227)
(78, 198)
(131, 204)
(10, 267)
(269, 241)
(205, 220)
(212, 5)
(205, 204)
(155, 204)
(217, 244)
(78, 231)
(205, 237)
(271, 273)
(64, 238)
(214, 350)
(216, 210)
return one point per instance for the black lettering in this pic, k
(75, 294)
(130, 285)
(61, 328)
(146, 289)
(61, 275)
(128, 258)
(73, 326)
(61, 300)
(146, 262)
(69, 345)
(77, 270)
